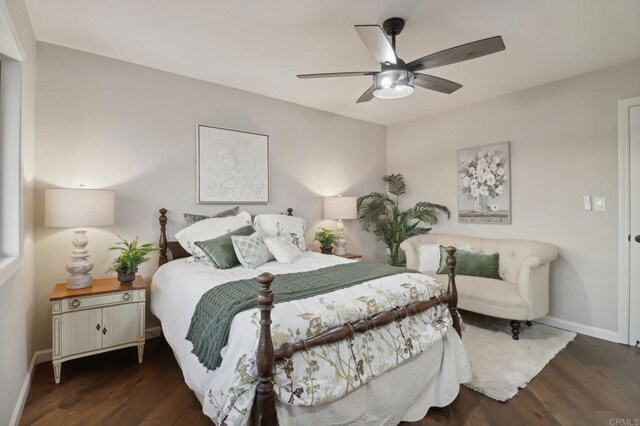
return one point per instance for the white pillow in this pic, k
(208, 229)
(429, 257)
(279, 225)
(282, 249)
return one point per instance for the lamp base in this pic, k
(341, 241)
(79, 265)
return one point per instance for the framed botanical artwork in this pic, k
(232, 166)
(484, 184)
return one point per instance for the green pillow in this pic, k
(473, 264)
(220, 249)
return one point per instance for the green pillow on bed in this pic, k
(220, 249)
(476, 265)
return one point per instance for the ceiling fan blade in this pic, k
(377, 42)
(366, 96)
(436, 83)
(461, 53)
(337, 74)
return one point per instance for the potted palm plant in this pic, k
(380, 214)
(131, 256)
(326, 238)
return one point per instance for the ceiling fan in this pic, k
(396, 79)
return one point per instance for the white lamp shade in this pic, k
(71, 208)
(340, 208)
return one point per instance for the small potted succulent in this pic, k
(131, 256)
(326, 238)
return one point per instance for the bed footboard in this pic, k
(264, 406)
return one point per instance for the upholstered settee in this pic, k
(521, 295)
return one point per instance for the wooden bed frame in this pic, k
(264, 406)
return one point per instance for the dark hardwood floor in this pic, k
(590, 382)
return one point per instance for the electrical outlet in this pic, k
(587, 202)
(599, 204)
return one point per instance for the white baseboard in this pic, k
(26, 385)
(45, 356)
(153, 332)
(600, 333)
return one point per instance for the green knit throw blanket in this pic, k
(211, 321)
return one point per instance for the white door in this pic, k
(120, 324)
(634, 202)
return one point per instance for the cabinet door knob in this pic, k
(75, 303)
(104, 330)
(126, 296)
(637, 238)
(98, 327)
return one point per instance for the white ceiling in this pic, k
(260, 45)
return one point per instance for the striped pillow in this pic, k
(194, 218)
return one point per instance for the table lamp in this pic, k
(75, 208)
(340, 208)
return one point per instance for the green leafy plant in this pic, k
(380, 214)
(131, 255)
(326, 238)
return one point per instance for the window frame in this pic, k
(11, 180)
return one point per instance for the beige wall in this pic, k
(563, 146)
(111, 124)
(17, 296)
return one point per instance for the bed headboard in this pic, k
(174, 247)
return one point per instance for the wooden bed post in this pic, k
(452, 290)
(163, 237)
(264, 408)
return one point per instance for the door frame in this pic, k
(624, 217)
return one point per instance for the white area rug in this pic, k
(500, 365)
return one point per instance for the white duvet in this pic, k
(322, 384)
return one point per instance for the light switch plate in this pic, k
(587, 202)
(599, 204)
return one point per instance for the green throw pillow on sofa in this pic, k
(220, 250)
(473, 264)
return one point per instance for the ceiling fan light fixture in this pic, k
(393, 84)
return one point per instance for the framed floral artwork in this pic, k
(232, 166)
(484, 184)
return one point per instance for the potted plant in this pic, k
(380, 213)
(131, 256)
(326, 238)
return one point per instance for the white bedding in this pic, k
(177, 288)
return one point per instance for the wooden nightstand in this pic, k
(352, 256)
(100, 318)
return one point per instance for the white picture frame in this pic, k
(232, 166)
(484, 184)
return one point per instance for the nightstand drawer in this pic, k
(79, 303)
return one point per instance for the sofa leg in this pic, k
(529, 323)
(515, 329)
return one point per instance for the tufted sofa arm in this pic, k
(533, 279)
(411, 246)
(544, 255)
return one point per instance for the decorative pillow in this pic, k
(429, 256)
(473, 264)
(220, 250)
(278, 225)
(251, 250)
(191, 218)
(210, 228)
(282, 249)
